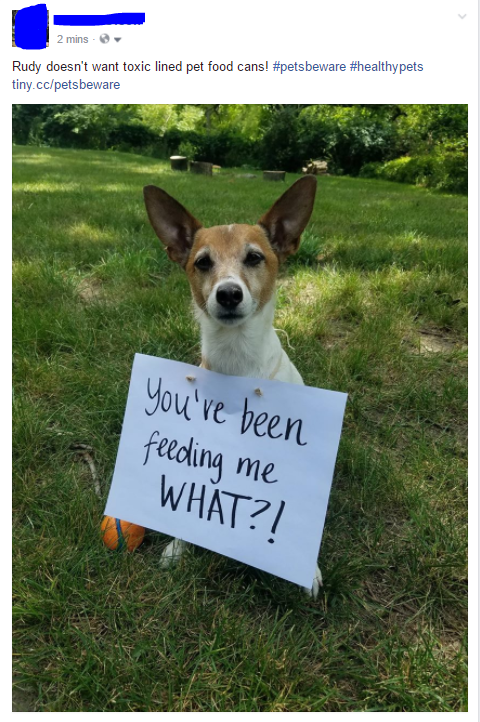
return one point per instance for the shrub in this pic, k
(348, 137)
(127, 136)
(223, 147)
(447, 171)
(280, 146)
(27, 123)
(79, 126)
(424, 127)
(188, 149)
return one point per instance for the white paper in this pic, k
(195, 490)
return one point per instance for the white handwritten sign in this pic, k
(212, 462)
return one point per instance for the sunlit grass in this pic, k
(374, 304)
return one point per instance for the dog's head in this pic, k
(232, 269)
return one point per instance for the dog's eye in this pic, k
(253, 259)
(204, 263)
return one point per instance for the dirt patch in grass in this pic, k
(337, 335)
(432, 341)
(301, 292)
(90, 290)
(22, 701)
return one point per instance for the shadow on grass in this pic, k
(115, 213)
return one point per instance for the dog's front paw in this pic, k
(316, 584)
(172, 553)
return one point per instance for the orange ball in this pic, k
(118, 534)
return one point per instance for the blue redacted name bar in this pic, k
(111, 19)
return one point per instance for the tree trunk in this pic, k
(178, 162)
(200, 167)
(274, 175)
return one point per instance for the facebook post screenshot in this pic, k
(245, 399)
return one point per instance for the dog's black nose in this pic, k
(229, 295)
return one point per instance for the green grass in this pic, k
(375, 305)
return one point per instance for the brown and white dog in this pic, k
(232, 271)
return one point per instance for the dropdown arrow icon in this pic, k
(118, 39)
(462, 17)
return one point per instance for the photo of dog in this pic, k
(232, 271)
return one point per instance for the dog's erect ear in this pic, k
(287, 218)
(172, 223)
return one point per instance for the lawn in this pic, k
(374, 304)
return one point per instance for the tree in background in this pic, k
(425, 127)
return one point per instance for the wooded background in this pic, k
(420, 144)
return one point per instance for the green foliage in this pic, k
(348, 137)
(132, 136)
(353, 137)
(443, 171)
(281, 137)
(280, 146)
(72, 126)
(223, 147)
(27, 123)
(424, 127)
